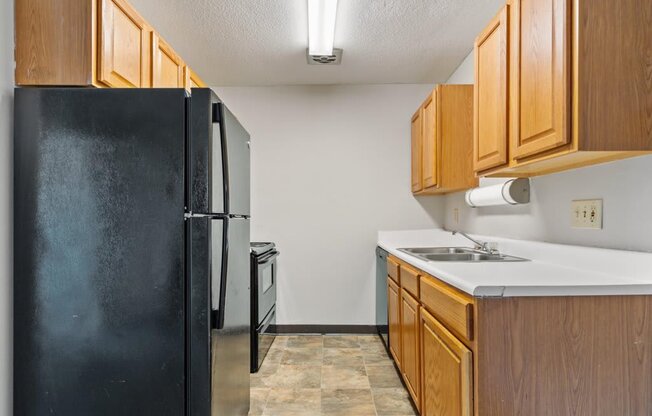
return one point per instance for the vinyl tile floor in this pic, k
(310, 375)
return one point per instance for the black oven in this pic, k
(263, 300)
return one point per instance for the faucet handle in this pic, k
(492, 247)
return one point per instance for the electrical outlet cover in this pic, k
(587, 214)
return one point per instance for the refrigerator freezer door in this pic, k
(237, 142)
(230, 334)
(99, 252)
(206, 190)
(218, 158)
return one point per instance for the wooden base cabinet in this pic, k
(557, 355)
(93, 43)
(447, 371)
(394, 320)
(411, 364)
(579, 86)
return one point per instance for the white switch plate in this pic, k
(587, 214)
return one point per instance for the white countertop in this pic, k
(554, 269)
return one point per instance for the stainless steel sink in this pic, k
(438, 250)
(457, 254)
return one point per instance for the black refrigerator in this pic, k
(131, 253)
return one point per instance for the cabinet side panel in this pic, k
(564, 355)
(614, 45)
(456, 132)
(54, 42)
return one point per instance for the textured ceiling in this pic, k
(263, 42)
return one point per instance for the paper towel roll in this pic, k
(512, 192)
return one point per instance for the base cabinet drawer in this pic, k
(393, 270)
(410, 280)
(450, 307)
(447, 371)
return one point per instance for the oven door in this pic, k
(262, 340)
(266, 284)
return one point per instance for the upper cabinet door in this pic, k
(490, 129)
(417, 148)
(541, 70)
(430, 142)
(123, 46)
(167, 66)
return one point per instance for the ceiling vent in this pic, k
(334, 59)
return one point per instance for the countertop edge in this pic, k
(499, 291)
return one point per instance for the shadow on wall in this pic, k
(433, 207)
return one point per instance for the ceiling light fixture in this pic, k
(321, 26)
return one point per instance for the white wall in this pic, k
(6, 180)
(330, 167)
(465, 72)
(623, 185)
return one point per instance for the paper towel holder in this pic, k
(513, 192)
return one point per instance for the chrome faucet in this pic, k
(487, 247)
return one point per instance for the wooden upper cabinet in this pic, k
(124, 46)
(410, 366)
(417, 149)
(490, 130)
(192, 80)
(541, 76)
(100, 43)
(54, 42)
(443, 126)
(167, 66)
(430, 142)
(447, 371)
(394, 320)
(578, 86)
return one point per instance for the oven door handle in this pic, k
(269, 257)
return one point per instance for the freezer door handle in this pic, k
(216, 112)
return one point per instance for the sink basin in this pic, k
(457, 254)
(438, 250)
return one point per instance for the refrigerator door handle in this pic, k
(218, 314)
(216, 113)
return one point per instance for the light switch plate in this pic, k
(587, 214)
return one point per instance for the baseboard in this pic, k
(323, 329)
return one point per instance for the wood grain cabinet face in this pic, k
(410, 365)
(123, 45)
(417, 148)
(541, 71)
(167, 66)
(442, 142)
(447, 375)
(192, 80)
(394, 320)
(430, 142)
(490, 129)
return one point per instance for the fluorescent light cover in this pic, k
(321, 26)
